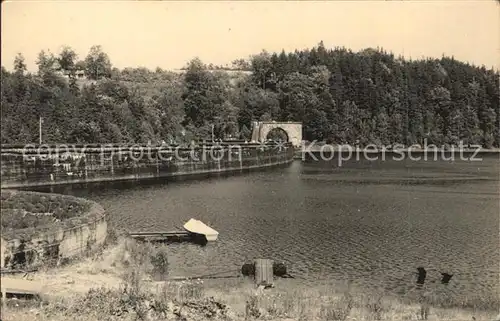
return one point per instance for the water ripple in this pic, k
(371, 222)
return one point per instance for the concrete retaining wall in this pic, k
(25, 168)
(54, 243)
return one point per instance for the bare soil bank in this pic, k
(115, 285)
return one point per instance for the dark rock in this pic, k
(279, 269)
(422, 273)
(248, 269)
(446, 278)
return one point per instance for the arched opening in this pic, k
(277, 135)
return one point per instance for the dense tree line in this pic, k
(340, 96)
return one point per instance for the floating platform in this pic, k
(264, 272)
(194, 231)
(173, 236)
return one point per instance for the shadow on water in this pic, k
(404, 181)
(95, 188)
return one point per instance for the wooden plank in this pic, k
(20, 286)
(158, 233)
(177, 236)
(263, 272)
(184, 278)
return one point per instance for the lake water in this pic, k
(373, 222)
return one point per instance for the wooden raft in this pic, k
(194, 230)
(264, 272)
(173, 236)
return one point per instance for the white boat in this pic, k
(198, 227)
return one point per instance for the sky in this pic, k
(168, 34)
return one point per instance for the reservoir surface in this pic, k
(369, 221)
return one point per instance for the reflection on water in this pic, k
(373, 222)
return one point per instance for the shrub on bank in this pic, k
(22, 207)
(159, 260)
(14, 218)
(173, 303)
(141, 260)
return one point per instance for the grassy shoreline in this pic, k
(116, 285)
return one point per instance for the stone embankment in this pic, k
(40, 228)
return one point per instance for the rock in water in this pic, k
(248, 269)
(279, 269)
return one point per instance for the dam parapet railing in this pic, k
(45, 165)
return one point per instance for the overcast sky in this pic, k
(168, 34)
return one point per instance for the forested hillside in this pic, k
(340, 96)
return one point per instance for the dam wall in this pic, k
(56, 165)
